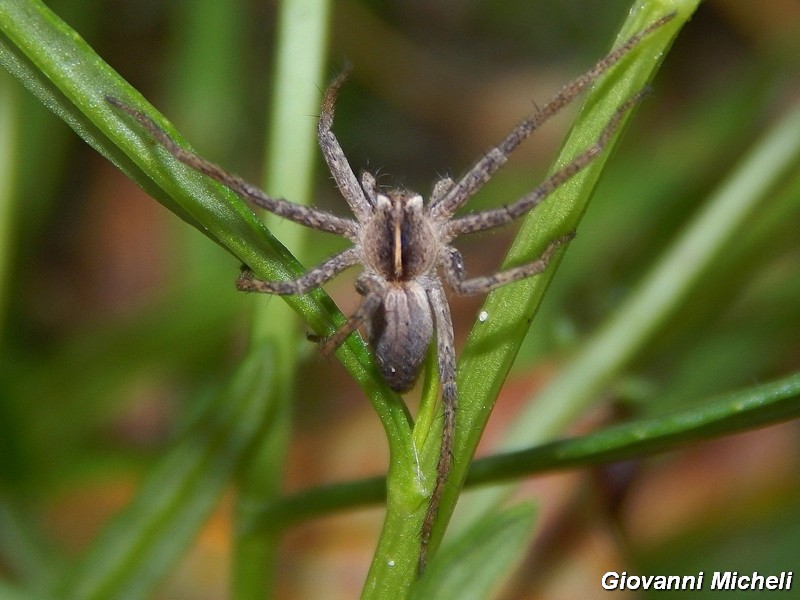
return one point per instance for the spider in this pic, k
(403, 242)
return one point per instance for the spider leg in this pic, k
(454, 271)
(340, 169)
(447, 379)
(373, 292)
(310, 217)
(495, 217)
(370, 187)
(315, 277)
(487, 166)
(440, 189)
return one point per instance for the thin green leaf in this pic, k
(738, 411)
(9, 114)
(473, 565)
(731, 413)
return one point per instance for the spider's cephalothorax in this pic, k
(403, 244)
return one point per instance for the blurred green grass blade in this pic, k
(24, 552)
(290, 136)
(470, 567)
(206, 82)
(10, 592)
(9, 137)
(754, 333)
(728, 414)
(143, 542)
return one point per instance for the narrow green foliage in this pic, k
(8, 141)
(728, 414)
(473, 565)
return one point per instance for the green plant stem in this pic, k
(731, 413)
(472, 566)
(743, 410)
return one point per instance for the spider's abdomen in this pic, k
(400, 333)
(398, 239)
